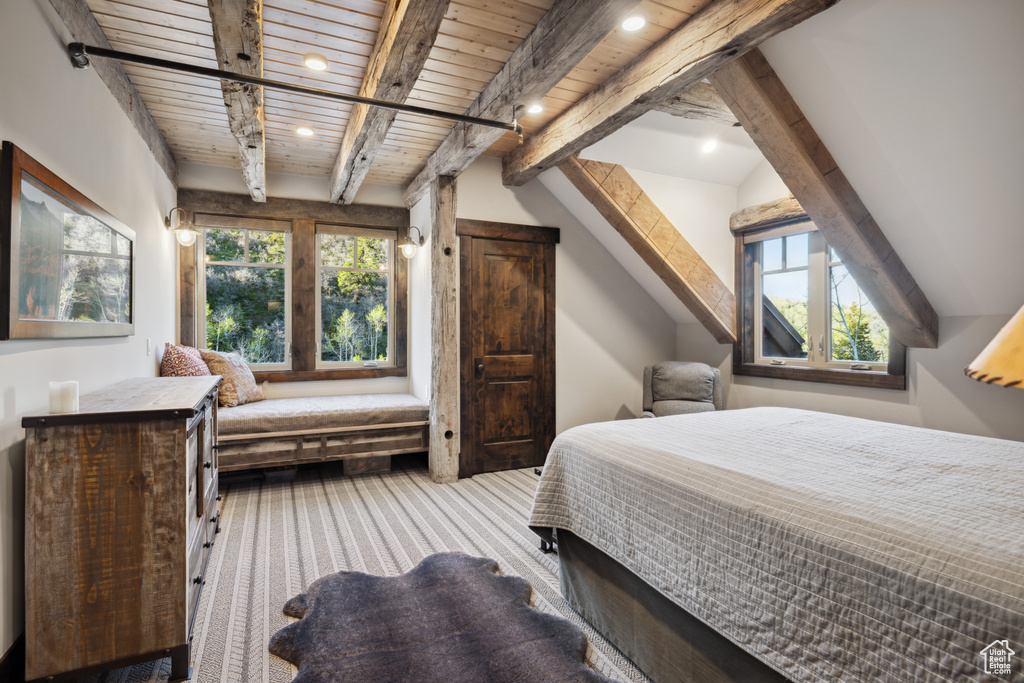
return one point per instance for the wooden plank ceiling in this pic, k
(475, 40)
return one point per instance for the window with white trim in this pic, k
(802, 312)
(355, 274)
(245, 282)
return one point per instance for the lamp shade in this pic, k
(1002, 361)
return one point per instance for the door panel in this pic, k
(507, 406)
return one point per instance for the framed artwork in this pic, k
(67, 267)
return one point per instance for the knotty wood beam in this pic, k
(84, 28)
(238, 40)
(774, 121)
(711, 38)
(700, 102)
(768, 215)
(407, 33)
(445, 416)
(631, 212)
(560, 40)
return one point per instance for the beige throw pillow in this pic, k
(239, 386)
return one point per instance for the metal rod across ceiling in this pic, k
(80, 53)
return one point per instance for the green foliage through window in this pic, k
(355, 280)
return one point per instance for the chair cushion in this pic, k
(663, 408)
(677, 381)
(321, 412)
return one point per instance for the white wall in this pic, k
(761, 186)
(607, 328)
(419, 303)
(220, 179)
(67, 120)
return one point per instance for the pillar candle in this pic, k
(64, 397)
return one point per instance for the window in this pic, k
(303, 290)
(246, 288)
(803, 316)
(355, 276)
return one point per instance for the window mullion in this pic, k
(817, 300)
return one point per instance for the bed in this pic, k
(777, 544)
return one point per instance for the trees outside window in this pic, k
(246, 289)
(356, 274)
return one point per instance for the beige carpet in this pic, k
(278, 537)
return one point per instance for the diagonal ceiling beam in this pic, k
(407, 33)
(699, 102)
(623, 203)
(768, 113)
(84, 28)
(560, 40)
(711, 38)
(238, 40)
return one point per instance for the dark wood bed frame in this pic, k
(668, 643)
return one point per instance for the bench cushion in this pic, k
(320, 412)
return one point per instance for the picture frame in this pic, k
(67, 267)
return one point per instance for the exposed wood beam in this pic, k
(407, 33)
(84, 28)
(356, 215)
(238, 40)
(622, 202)
(560, 40)
(774, 121)
(768, 215)
(445, 415)
(699, 102)
(711, 38)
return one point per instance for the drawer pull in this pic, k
(198, 580)
(207, 465)
(207, 544)
(218, 497)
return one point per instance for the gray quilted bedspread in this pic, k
(831, 548)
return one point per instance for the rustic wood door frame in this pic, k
(548, 238)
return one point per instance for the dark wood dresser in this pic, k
(120, 515)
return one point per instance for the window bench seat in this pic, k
(363, 430)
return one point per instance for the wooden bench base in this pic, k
(363, 449)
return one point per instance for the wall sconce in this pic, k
(409, 245)
(184, 230)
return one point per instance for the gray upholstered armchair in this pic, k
(674, 388)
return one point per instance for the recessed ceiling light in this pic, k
(633, 23)
(304, 131)
(709, 146)
(315, 62)
(534, 108)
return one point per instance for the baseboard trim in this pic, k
(12, 664)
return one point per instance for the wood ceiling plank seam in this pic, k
(318, 41)
(179, 52)
(166, 7)
(149, 16)
(157, 31)
(477, 49)
(357, 36)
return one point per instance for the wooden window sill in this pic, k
(328, 374)
(850, 378)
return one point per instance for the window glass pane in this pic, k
(245, 312)
(858, 333)
(225, 245)
(771, 254)
(373, 253)
(266, 247)
(354, 316)
(796, 250)
(85, 233)
(337, 250)
(784, 314)
(122, 245)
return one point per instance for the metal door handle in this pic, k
(479, 367)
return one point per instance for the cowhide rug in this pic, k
(452, 619)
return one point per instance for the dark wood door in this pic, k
(507, 348)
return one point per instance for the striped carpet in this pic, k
(278, 537)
